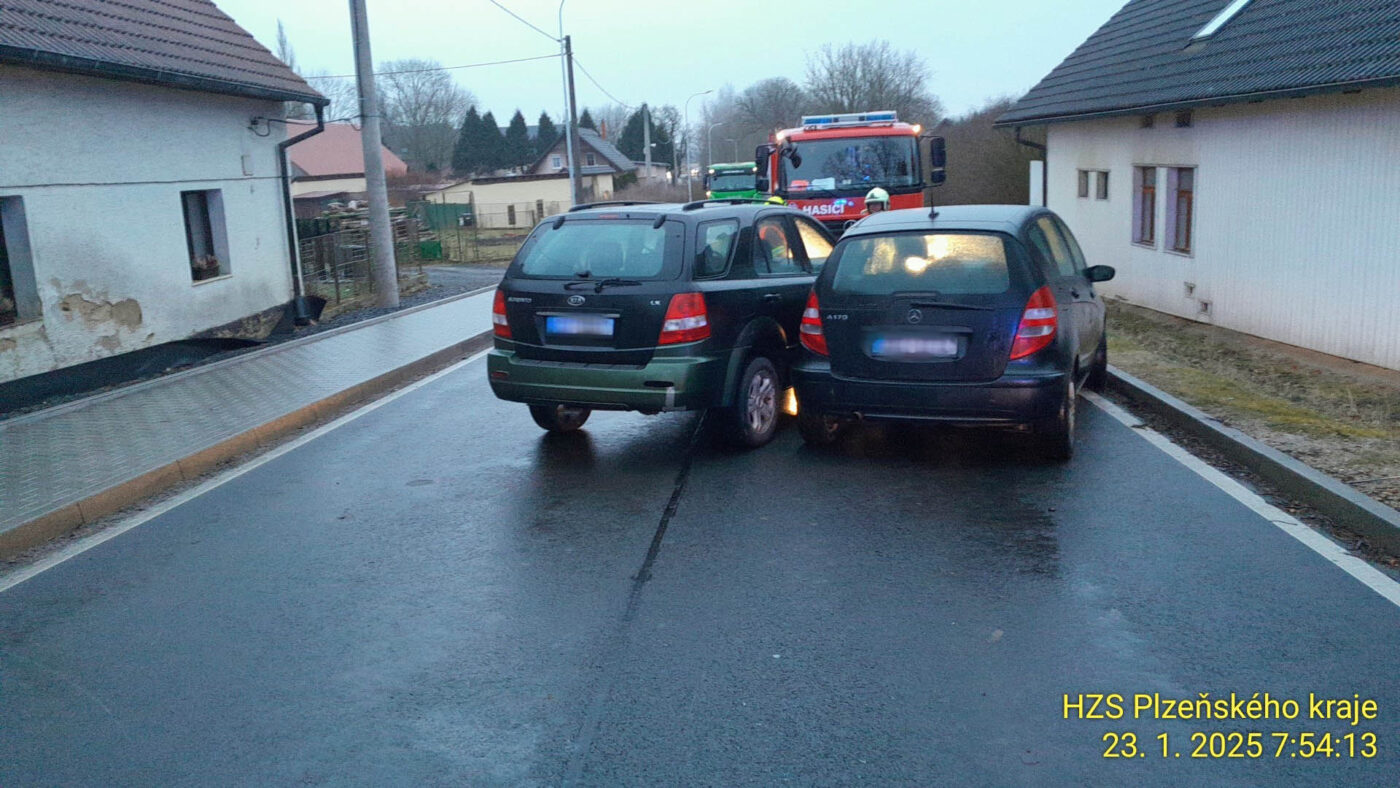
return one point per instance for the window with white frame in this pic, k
(1101, 185)
(1145, 206)
(1181, 188)
(206, 237)
(19, 295)
(556, 161)
(1083, 184)
(589, 159)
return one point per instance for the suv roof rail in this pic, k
(698, 204)
(585, 206)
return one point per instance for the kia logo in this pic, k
(575, 300)
(915, 316)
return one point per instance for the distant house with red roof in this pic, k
(334, 160)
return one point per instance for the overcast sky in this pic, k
(664, 51)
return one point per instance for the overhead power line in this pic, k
(598, 85)
(524, 21)
(440, 68)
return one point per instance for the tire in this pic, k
(1055, 435)
(559, 418)
(753, 420)
(817, 429)
(1098, 370)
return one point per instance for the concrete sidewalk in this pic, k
(77, 462)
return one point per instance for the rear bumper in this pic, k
(666, 383)
(1007, 401)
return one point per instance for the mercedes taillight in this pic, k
(810, 331)
(1038, 324)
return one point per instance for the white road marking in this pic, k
(1369, 576)
(87, 543)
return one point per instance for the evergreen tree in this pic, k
(631, 141)
(466, 157)
(546, 136)
(517, 142)
(492, 144)
(585, 121)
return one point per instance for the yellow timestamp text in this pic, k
(1241, 744)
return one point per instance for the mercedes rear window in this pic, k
(943, 263)
(602, 248)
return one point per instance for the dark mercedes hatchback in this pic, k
(977, 315)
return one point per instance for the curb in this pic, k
(1379, 523)
(61, 521)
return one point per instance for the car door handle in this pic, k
(772, 298)
(1074, 292)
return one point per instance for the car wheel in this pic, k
(1098, 370)
(559, 418)
(754, 418)
(1056, 434)
(817, 428)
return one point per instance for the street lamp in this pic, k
(710, 140)
(690, 182)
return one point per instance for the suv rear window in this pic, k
(946, 263)
(600, 248)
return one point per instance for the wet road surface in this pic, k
(465, 276)
(437, 593)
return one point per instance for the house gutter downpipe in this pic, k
(301, 310)
(1044, 167)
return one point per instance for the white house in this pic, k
(1238, 161)
(140, 197)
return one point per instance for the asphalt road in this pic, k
(465, 276)
(437, 594)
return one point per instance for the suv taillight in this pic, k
(810, 331)
(499, 326)
(1038, 323)
(686, 320)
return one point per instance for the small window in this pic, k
(1219, 20)
(556, 161)
(715, 242)
(19, 296)
(1181, 184)
(1183, 119)
(772, 250)
(814, 242)
(590, 159)
(510, 215)
(1148, 121)
(1083, 184)
(206, 237)
(1101, 185)
(1145, 206)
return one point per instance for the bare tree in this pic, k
(985, 165)
(345, 99)
(872, 76)
(613, 117)
(293, 110)
(422, 105)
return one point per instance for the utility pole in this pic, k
(646, 139)
(574, 186)
(382, 264)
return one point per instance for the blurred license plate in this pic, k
(582, 325)
(913, 348)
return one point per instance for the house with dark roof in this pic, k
(155, 209)
(1236, 161)
(333, 161)
(542, 189)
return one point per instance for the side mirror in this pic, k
(937, 153)
(761, 181)
(1100, 273)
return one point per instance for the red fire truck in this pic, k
(825, 166)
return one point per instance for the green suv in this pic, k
(657, 307)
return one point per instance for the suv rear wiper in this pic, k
(602, 284)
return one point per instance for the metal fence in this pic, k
(336, 254)
(482, 232)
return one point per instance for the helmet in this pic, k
(776, 200)
(878, 195)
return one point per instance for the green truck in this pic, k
(731, 180)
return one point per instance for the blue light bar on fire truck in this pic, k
(848, 119)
